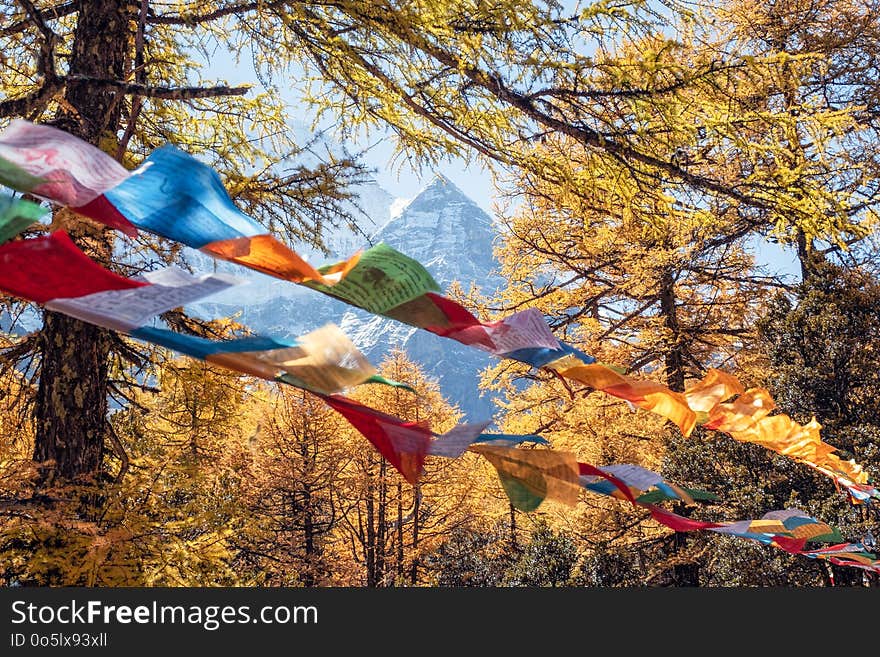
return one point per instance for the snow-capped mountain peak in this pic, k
(442, 229)
(446, 231)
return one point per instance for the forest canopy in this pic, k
(640, 151)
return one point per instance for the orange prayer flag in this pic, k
(266, 254)
(742, 414)
(713, 389)
(650, 395)
(747, 419)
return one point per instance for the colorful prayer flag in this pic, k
(529, 476)
(127, 309)
(51, 267)
(403, 444)
(58, 166)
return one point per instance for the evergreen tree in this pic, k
(820, 347)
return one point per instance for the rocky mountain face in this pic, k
(441, 228)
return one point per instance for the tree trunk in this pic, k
(684, 574)
(308, 577)
(381, 524)
(71, 404)
(414, 572)
(71, 407)
(674, 357)
(399, 565)
(370, 547)
(513, 544)
(809, 258)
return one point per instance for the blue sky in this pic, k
(401, 179)
(397, 176)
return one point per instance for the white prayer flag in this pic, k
(455, 442)
(523, 330)
(124, 310)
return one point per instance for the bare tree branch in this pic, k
(11, 356)
(494, 84)
(51, 83)
(26, 104)
(167, 93)
(46, 62)
(139, 78)
(124, 462)
(58, 11)
(195, 19)
(393, 87)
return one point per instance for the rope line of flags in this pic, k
(176, 197)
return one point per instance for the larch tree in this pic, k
(696, 118)
(189, 475)
(446, 78)
(831, 67)
(819, 348)
(391, 524)
(177, 502)
(127, 78)
(660, 280)
(297, 458)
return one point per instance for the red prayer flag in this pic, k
(104, 212)
(793, 545)
(677, 522)
(587, 469)
(463, 326)
(52, 267)
(403, 444)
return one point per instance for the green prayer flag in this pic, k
(654, 496)
(378, 378)
(16, 215)
(523, 497)
(381, 280)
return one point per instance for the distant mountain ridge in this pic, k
(452, 237)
